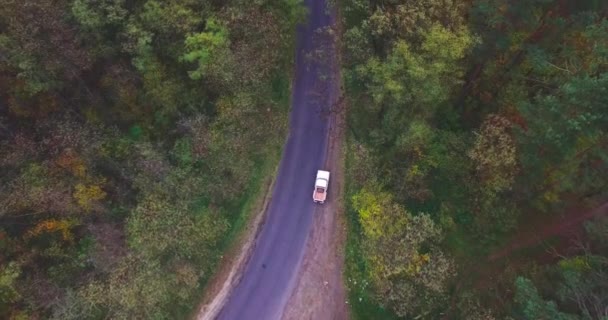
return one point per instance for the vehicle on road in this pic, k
(321, 183)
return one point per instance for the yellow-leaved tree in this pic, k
(408, 270)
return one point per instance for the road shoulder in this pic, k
(320, 292)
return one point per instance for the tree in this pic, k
(432, 66)
(43, 62)
(565, 128)
(256, 44)
(532, 306)
(420, 78)
(585, 284)
(495, 154)
(407, 269)
(391, 21)
(119, 173)
(160, 229)
(476, 116)
(583, 276)
(133, 289)
(207, 49)
(99, 14)
(8, 291)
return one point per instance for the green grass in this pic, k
(262, 172)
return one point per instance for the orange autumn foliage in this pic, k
(52, 225)
(68, 160)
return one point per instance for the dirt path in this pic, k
(485, 275)
(560, 226)
(320, 293)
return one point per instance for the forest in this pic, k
(132, 140)
(477, 158)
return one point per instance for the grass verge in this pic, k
(242, 227)
(250, 206)
(250, 203)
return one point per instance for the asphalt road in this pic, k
(272, 270)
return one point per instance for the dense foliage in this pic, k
(131, 135)
(470, 120)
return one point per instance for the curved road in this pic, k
(272, 270)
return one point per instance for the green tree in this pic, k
(207, 48)
(478, 116)
(533, 306)
(43, 62)
(8, 291)
(104, 136)
(391, 21)
(495, 155)
(412, 82)
(159, 229)
(566, 128)
(99, 14)
(406, 267)
(425, 76)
